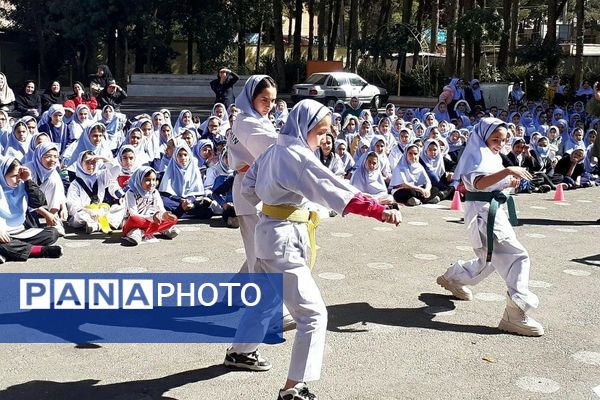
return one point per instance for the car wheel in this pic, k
(330, 101)
(376, 102)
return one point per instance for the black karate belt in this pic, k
(495, 198)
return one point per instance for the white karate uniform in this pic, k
(249, 138)
(290, 174)
(509, 258)
(78, 199)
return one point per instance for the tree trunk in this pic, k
(417, 49)
(190, 52)
(452, 17)
(279, 48)
(139, 49)
(467, 72)
(257, 66)
(502, 61)
(579, 42)
(241, 50)
(311, 28)
(297, 50)
(334, 30)
(550, 41)
(406, 18)
(435, 17)
(322, 29)
(352, 35)
(514, 29)
(111, 48)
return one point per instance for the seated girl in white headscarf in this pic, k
(85, 196)
(146, 214)
(19, 239)
(368, 178)
(44, 172)
(182, 188)
(410, 183)
(329, 158)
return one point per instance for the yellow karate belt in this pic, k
(103, 210)
(294, 214)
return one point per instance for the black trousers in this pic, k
(19, 249)
(402, 195)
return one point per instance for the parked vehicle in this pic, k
(329, 87)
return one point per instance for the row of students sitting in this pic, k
(425, 176)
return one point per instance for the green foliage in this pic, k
(488, 73)
(533, 76)
(389, 40)
(480, 25)
(378, 76)
(535, 51)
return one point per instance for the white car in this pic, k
(329, 87)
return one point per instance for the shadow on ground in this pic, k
(344, 315)
(88, 389)
(593, 261)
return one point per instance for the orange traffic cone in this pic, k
(456, 204)
(559, 195)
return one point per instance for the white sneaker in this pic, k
(91, 227)
(60, 229)
(515, 320)
(171, 233)
(459, 291)
(134, 237)
(298, 392)
(150, 239)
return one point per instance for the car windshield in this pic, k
(317, 79)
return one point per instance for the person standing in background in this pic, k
(223, 86)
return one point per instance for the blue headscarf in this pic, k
(476, 155)
(38, 171)
(371, 182)
(84, 144)
(407, 172)
(13, 200)
(32, 146)
(135, 182)
(436, 164)
(304, 116)
(179, 127)
(198, 147)
(182, 181)
(244, 100)
(80, 172)
(120, 158)
(15, 148)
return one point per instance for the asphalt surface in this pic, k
(393, 333)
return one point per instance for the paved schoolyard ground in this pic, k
(393, 333)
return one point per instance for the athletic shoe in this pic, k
(251, 361)
(413, 201)
(515, 320)
(298, 392)
(134, 237)
(91, 227)
(435, 200)
(60, 229)
(459, 291)
(52, 251)
(233, 222)
(150, 239)
(171, 233)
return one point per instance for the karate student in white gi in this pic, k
(285, 177)
(252, 133)
(486, 180)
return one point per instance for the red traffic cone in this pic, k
(456, 204)
(559, 195)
